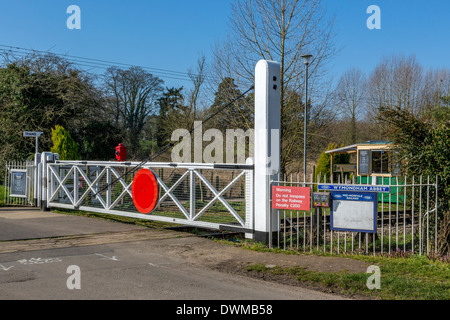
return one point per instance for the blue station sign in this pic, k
(352, 187)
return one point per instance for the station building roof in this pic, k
(354, 147)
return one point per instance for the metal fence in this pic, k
(406, 220)
(19, 187)
(203, 195)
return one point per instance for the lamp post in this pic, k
(306, 61)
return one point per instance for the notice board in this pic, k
(18, 183)
(353, 211)
(363, 162)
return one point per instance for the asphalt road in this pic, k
(96, 260)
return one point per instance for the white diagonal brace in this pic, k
(90, 187)
(174, 186)
(61, 184)
(122, 194)
(218, 196)
(122, 182)
(174, 199)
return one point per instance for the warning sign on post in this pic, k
(291, 198)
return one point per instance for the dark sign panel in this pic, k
(364, 161)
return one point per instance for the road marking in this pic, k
(113, 258)
(5, 268)
(39, 260)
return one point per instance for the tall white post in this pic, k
(36, 185)
(46, 157)
(267, 146)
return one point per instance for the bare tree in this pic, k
(349, 98)
(133, 94)
(437, 85)
(186, 105)
(198, 77)
(279, 30)
(396, 82)
(180, 108)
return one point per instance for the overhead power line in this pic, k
(97, 63)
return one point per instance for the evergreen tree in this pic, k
(239, 115)
(171, 100)
(63, 144)
(324, 162)
(422, 143)
(36, 93)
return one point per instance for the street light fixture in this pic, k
(306, 61)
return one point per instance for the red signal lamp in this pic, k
(121, 152)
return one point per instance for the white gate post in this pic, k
(249, 198)
(43, 184)
(267, 146)
(46, 157)
(36, 184)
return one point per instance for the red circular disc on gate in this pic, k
(144, 191)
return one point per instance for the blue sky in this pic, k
(171, 34)
(409, 27)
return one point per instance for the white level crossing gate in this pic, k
(216, 196)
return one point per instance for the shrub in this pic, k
(63, 144)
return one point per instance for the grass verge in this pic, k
(2, 195)
(401, 278)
